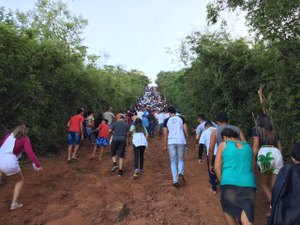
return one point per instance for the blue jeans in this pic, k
(89, 134)
(176, 152)
(212, 176)
(151, 127)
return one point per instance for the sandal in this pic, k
(16, 206)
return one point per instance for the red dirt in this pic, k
(87, 193)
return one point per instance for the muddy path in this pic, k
(88, 193)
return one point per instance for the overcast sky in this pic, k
(137, 33)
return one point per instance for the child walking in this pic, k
(139, 141)
(102, 139)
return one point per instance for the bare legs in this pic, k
(232, 221)
(266, 186)
(94, 152)
(17, 191)
(70, 155)
(121, 160)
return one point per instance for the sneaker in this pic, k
(176, 185)
(141, 172)
(16, 206)
(136, 174)
(120, 173)
(114, 167)
(181, 179)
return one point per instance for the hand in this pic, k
(166, 148)
(211, 169)
(200, 161)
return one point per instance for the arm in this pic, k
(255, 146)
(146, 133)
(211, 150)
(81, 129)
(218, 161)
(96, 129)
(165, 138)
(279, 145)
(242, 136)
(30, 153)
(68, 124)
(186, 133)
(261, 98)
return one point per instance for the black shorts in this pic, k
(118, 147)
(235, 200)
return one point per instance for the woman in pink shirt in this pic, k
(11, 148)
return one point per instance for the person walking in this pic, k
(285, 196)
(75, 135)
(204, 143)
(267, 147)
(216, 138)
(151, 119)
(234, 169)
(175, 139)
(108, 115)
(102, 139)
(139, 141)
(11, 148)
(90, 120)
(120, 130)
(200, 128)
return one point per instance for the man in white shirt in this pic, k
(160, 117)
(175, 136)
(108, 115)
(200, 128)
(204, 143)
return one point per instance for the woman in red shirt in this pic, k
(11, 148)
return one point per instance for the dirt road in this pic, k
(88, 193)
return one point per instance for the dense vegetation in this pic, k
(224, 74)
(46, 74)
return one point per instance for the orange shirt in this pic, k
(75, 122)
(104, 131)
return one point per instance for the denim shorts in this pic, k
(73, 137)
(102, 141)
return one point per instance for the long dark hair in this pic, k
(266, 129)
(139, 128)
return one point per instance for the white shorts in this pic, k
(9, 164)
(269, 160)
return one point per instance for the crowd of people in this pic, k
(231, 162)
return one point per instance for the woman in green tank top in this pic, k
(234, 170)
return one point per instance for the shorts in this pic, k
(118, 147)
(102, 141)
(269, 160)
(236, 199)
(73, 137)
(9, 164)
